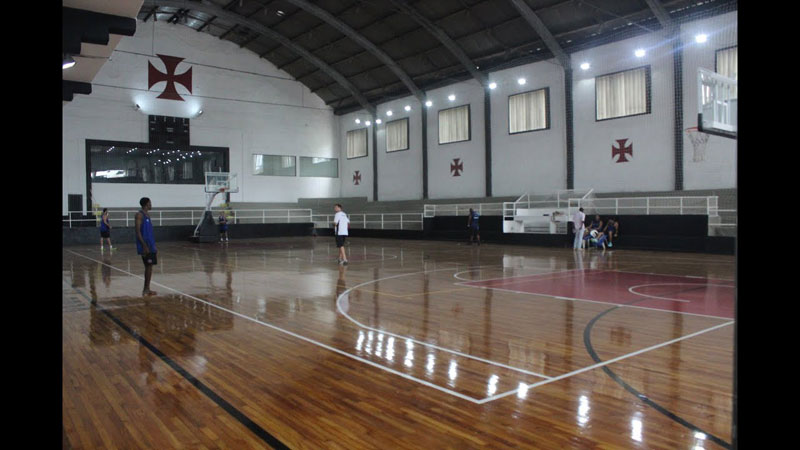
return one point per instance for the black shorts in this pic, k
(150, 259)
(340, 240)
(105, 234)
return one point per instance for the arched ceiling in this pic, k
(355, 54)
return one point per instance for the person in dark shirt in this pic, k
(105, 230)
(223, 227)
(472, 225)
(146, 243)
(611, 230)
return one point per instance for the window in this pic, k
(275, 165)
(454, 125)
(356, 143)
(623, 94)
(397, 135)
(529, 111)
(128, 162)
(727, 62)
(319, 167)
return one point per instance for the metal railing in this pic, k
(647, 205)
(458, 209)
(190, 217)
(731, 219)
(376, 221)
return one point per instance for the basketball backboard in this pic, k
(717, 104)
(215, 181)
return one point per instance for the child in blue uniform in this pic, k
(223, 227)
(472, 225)
(146, 243)
(611, 230)
(105, 230)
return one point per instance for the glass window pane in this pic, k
(623, 93)
(112, 163)
(527, 111)
(356, 143)
(274, 165)
(454, 124)
(319, 167)
(397, 135)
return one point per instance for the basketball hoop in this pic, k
(699, 141)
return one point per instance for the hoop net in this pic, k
(699, 141)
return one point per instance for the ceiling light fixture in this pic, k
(492, 85)
(66, 62)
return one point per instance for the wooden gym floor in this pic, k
(268, 343)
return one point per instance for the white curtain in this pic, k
(397, 135)
(527, 111)
(187, 170)
(454, 124)
(728, 66)
(258, 164)
(728, 62)
(357, 143)
(621, 94)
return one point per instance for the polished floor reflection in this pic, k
(268, 343)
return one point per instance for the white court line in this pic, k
(632, 291)
(669, 275)
(456, 275)
(346, 293)
(604, 363)
(309, 340)
(593, 301)
(533, 281)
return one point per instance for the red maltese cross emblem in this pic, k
(155, 76)
(357, 178)
(621, 150)
(456, 167)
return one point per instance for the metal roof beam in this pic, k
(442, 37)
(332, 43)
(536, 23)
(266, 31)
(490, 29)
(661, 14)
(362, 41)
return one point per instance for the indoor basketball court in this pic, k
(399, 224)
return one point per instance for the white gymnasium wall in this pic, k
(248, 106)
(472, 153)
(400, 172)
(363, 165)
(534, 162)
(719, 168)
(651, 168)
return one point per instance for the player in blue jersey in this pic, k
(223, 227)
(472, 225)
(146, 243)
(611, 230)
(105, 230)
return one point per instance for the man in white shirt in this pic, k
(577, 225)
(341, 224)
